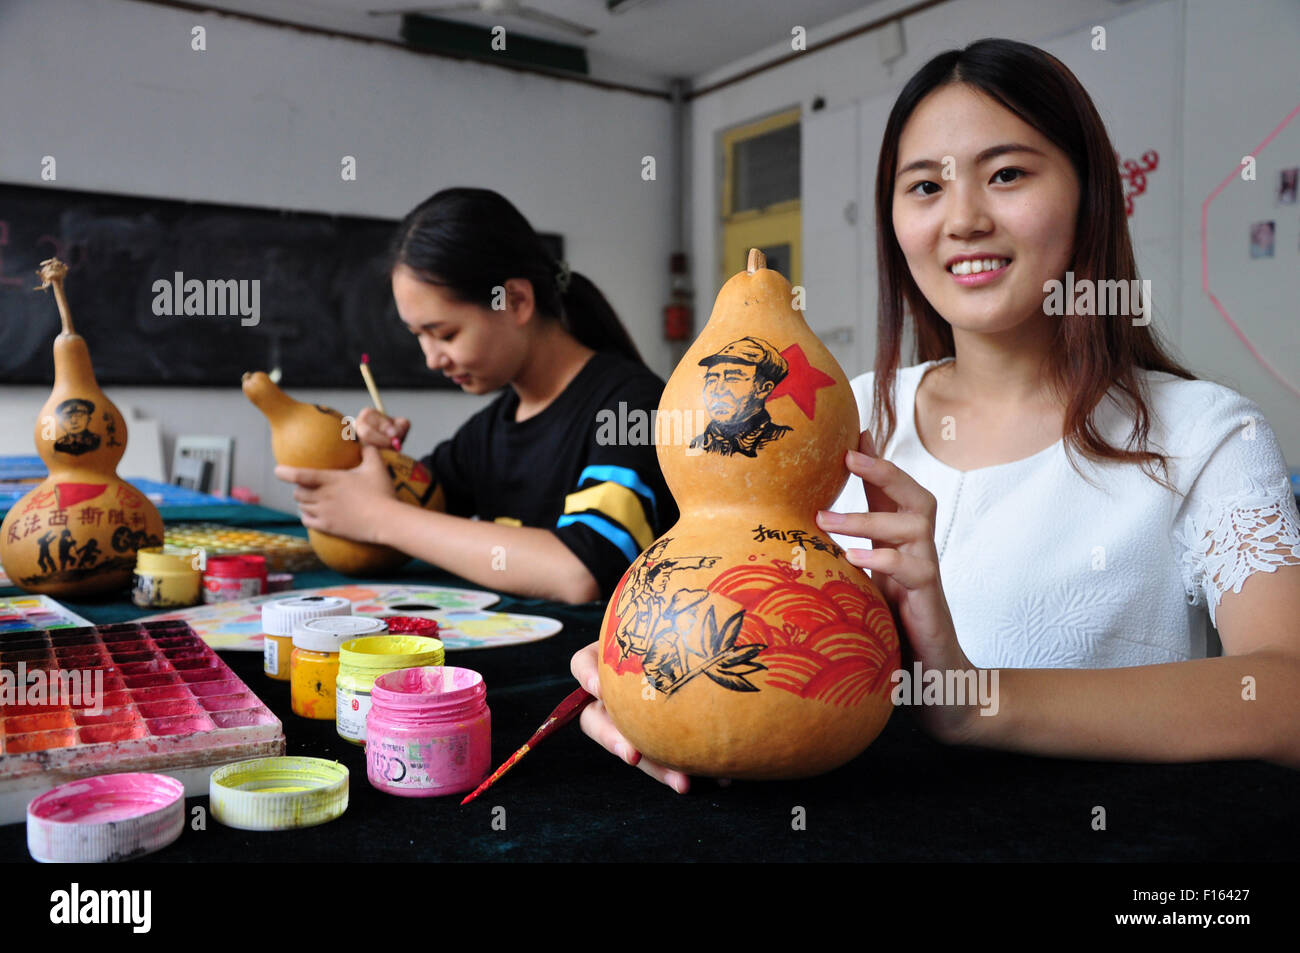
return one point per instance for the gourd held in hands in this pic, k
(742, 644)
(319, 437)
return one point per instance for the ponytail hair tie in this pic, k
(563, 276)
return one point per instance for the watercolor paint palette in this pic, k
(91, 700)
(284, 553)
(237, 625)
(23, 613)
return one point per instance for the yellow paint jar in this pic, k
(281, 616)
(314, 665)
(166, 577)
(363, 660)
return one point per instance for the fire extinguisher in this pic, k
(678, 314)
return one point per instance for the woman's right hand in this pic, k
(597, 725)
(378, 430)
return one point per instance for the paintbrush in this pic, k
(374, 393)
(564, 713)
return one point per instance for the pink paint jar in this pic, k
(429, 732)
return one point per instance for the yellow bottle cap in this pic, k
(278, 794)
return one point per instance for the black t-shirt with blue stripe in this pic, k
(572, 468)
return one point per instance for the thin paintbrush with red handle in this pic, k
(564, 713)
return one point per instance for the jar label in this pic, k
(144, 590)
(440, 764)
(271, 655)
(352, 710)
(229, 588)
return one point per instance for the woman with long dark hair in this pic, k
(541, 497)
(1085, 505)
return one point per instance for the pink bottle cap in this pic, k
(107, 818)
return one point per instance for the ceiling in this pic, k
(651, 39)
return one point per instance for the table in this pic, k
(907, 798)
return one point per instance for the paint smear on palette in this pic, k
(237, 626)
(23, 613)
(476, 629)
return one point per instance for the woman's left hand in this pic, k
(349, 503)
(902, 515)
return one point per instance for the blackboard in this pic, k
(323, 296)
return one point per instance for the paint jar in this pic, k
(166, 577)
(412, 625)
(278, 621)
(314, 664)
(227, 578)
(361, 661)
(278, 582)
(429, 732)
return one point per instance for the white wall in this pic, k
(849, 72)
(1241, 84)
(113, 90)
(1206, 81)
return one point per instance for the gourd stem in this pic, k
(51, 273)
(64, 314)
(756, 261)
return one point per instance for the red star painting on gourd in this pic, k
(802, 383)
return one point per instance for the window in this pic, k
(760, 195)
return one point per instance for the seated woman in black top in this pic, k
(540, 502)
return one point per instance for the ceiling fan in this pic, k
(504, 8)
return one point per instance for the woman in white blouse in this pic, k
(1055, 498)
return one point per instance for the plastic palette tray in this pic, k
(284, 553)
(169, 705)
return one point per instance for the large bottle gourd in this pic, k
(312, 435)
(76, 534)
(742, 644)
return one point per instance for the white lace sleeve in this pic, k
(1240, 515)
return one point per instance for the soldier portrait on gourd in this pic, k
(74, 414)
(739, 380)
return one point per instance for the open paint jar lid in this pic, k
(278, 794)
(107, 818)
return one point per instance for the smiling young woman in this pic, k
(1054, 498)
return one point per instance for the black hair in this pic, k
(471, 241)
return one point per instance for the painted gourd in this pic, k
(312, 435)
(76, 534)
(742, 644)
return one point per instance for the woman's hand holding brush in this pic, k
(380, 430)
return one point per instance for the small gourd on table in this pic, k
(77, 533)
